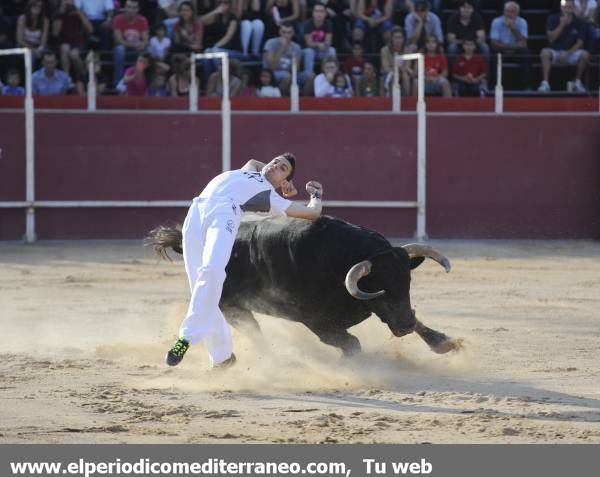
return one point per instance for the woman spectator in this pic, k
(179, 82)
(436, 70)
(188, 32)
(70, 27)
(369, 85)
(32, 28)
(138, 77)
(267, 88)
(221, 34)
(215, 81)
(396, 46)
(252, 26)
(248, 90)
(281, 11)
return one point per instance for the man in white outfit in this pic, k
(209, 233)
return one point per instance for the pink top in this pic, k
(137, 86)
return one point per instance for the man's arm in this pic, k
(312, 210)
(253, 165)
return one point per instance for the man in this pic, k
(100, 15)
(131, 36)
(209, 233)
(49, 80)
(279, 53)
(566, 34)
(318, 37)
(466, 24)
(508, 36)
(324, 82)
(419, 24)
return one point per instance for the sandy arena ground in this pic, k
(84, 328)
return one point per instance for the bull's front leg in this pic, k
(340, 338)
(438, 342)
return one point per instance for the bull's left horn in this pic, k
(358, 271)
(421, 250)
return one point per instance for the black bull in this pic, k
(327, 274)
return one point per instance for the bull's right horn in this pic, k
(354, 275)
(422, 250)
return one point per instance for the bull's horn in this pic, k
(354, 275)
(421, 250)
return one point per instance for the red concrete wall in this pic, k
(488, 176)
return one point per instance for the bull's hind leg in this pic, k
(340, 338)
(241, 319)
(438, 342)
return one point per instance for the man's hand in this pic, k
(288, 189)
(314, 189)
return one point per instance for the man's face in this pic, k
(277, 170)
(567, 7)
(132, 8)
(319, 13)
(369, 70)
(421, 11)
(49, 63)
(466, 10)
(511, 11)
(286, 32)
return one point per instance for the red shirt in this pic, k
(353, 66)
(435, 64)
(137, 86)
(131, 31)
(463, 66)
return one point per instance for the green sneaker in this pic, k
(177, 352)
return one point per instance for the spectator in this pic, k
(419, 24)
(167, 14)
(341, 86)
(594, 33)
(69, 27)
(324, 82)
(252, 26)
(188, 31)
(584, 10)
(179, 82)
(468, 71)
(100, 15)
(130, 31)
(340, 13)
(49, 80)
(215, 81)
(248, 90)
(388, 55)
(138, 77)
(373, 15)
(12, 86)
(318, 37)
(278, 56)
(32, 28)
(466, 23)
(369, 84)
(267, 88)
(160, 43)
(566, 34)
(436, 70)
(354, 65)
(158, 87)
(508, 36)
(100, 79)
(280, 12)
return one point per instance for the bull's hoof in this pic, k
(449, 344)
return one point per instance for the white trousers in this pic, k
(208, 232)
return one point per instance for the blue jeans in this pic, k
(310, 54)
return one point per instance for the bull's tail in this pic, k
(164, 237)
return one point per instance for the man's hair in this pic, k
(470, 2)
(292, 160)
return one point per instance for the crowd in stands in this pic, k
(343, 48)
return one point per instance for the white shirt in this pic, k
(590, 7)
(95, 9)
(251, 191)
(268, 92)
(158, 48)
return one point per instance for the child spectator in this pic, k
(32, 28)
(252, 25)
(566, 34)
(248, 90)
(354, 65)
(158, 87)
(49, 80)
(137, 78)
(341, 86)
(468, 71)
(369, 84)
(69, 28)
(160, 43)
(130, 31)
(12, 86)
(388, 55)
(188, 31)
(267, 88)
(436, 70)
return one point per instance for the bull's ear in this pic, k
(415, 262)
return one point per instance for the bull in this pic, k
(327, 274)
